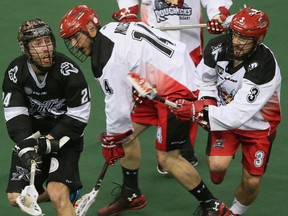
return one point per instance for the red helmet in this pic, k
(76, 20)
(250, 22)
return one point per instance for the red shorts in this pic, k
(256, 147)
(171, 133)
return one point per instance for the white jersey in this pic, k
(248, 95)
(120, 48)
(159, 13)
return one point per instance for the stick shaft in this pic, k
(32, 172)
(225, 24)
(101, 176)
(177, 27)
(165, 101)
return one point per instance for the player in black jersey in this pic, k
(45, 91)
(243, 74)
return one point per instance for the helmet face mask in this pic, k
(247, 30)
(240, 47)
(79, 45)
(37, 42)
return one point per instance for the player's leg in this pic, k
(253, 170)
(19, 178)
(171, 135)
(65, 166)
(130, 196)
(188, 151)
(221, 148)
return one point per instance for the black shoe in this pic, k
(211, 208)
(127, 199)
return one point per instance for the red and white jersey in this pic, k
(120, 48)
(248, 95)
(161, 13)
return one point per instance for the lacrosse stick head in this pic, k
(83, 204)
(142, 86)
(27, 201)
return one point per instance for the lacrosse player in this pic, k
(179, 12)
(243, 75)
(117, 49)
(45, 91)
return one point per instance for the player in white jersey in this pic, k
(243, 74)
(115, 50)
(179, 12)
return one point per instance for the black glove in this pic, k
(27, 153)
(46, 146)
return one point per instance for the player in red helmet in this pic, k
(159, 13)
(115, 50)
(71, 24)
(243, 75)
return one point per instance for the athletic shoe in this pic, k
(230, 213)
(127, 199)
(211, 208)
(161, 170)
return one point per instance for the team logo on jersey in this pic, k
(252, 66)
(28, 90)
(67, 68)
(219, 143)
(12, 74)
(46, 108)
(225, 96)
(216, 50)
(21, 173)
(168, 8)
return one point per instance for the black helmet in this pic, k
(33, 29)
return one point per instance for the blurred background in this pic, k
(165, 196)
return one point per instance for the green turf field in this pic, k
(164, 194)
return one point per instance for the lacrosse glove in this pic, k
(27, 153)
(214, 26)
(195, 111)
(126, 14)
(112, 148)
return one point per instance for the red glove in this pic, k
(193, 111)
(112, 148)
(126, 14)
(214, 25)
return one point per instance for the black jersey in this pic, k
(59, 104)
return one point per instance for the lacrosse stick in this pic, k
(83, 204)
(225, 24)
(145, 89)
(27, 201)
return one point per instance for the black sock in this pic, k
(130, 178)
(202, 193)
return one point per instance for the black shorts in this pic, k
(61, 167)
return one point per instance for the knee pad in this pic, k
(217, 178)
